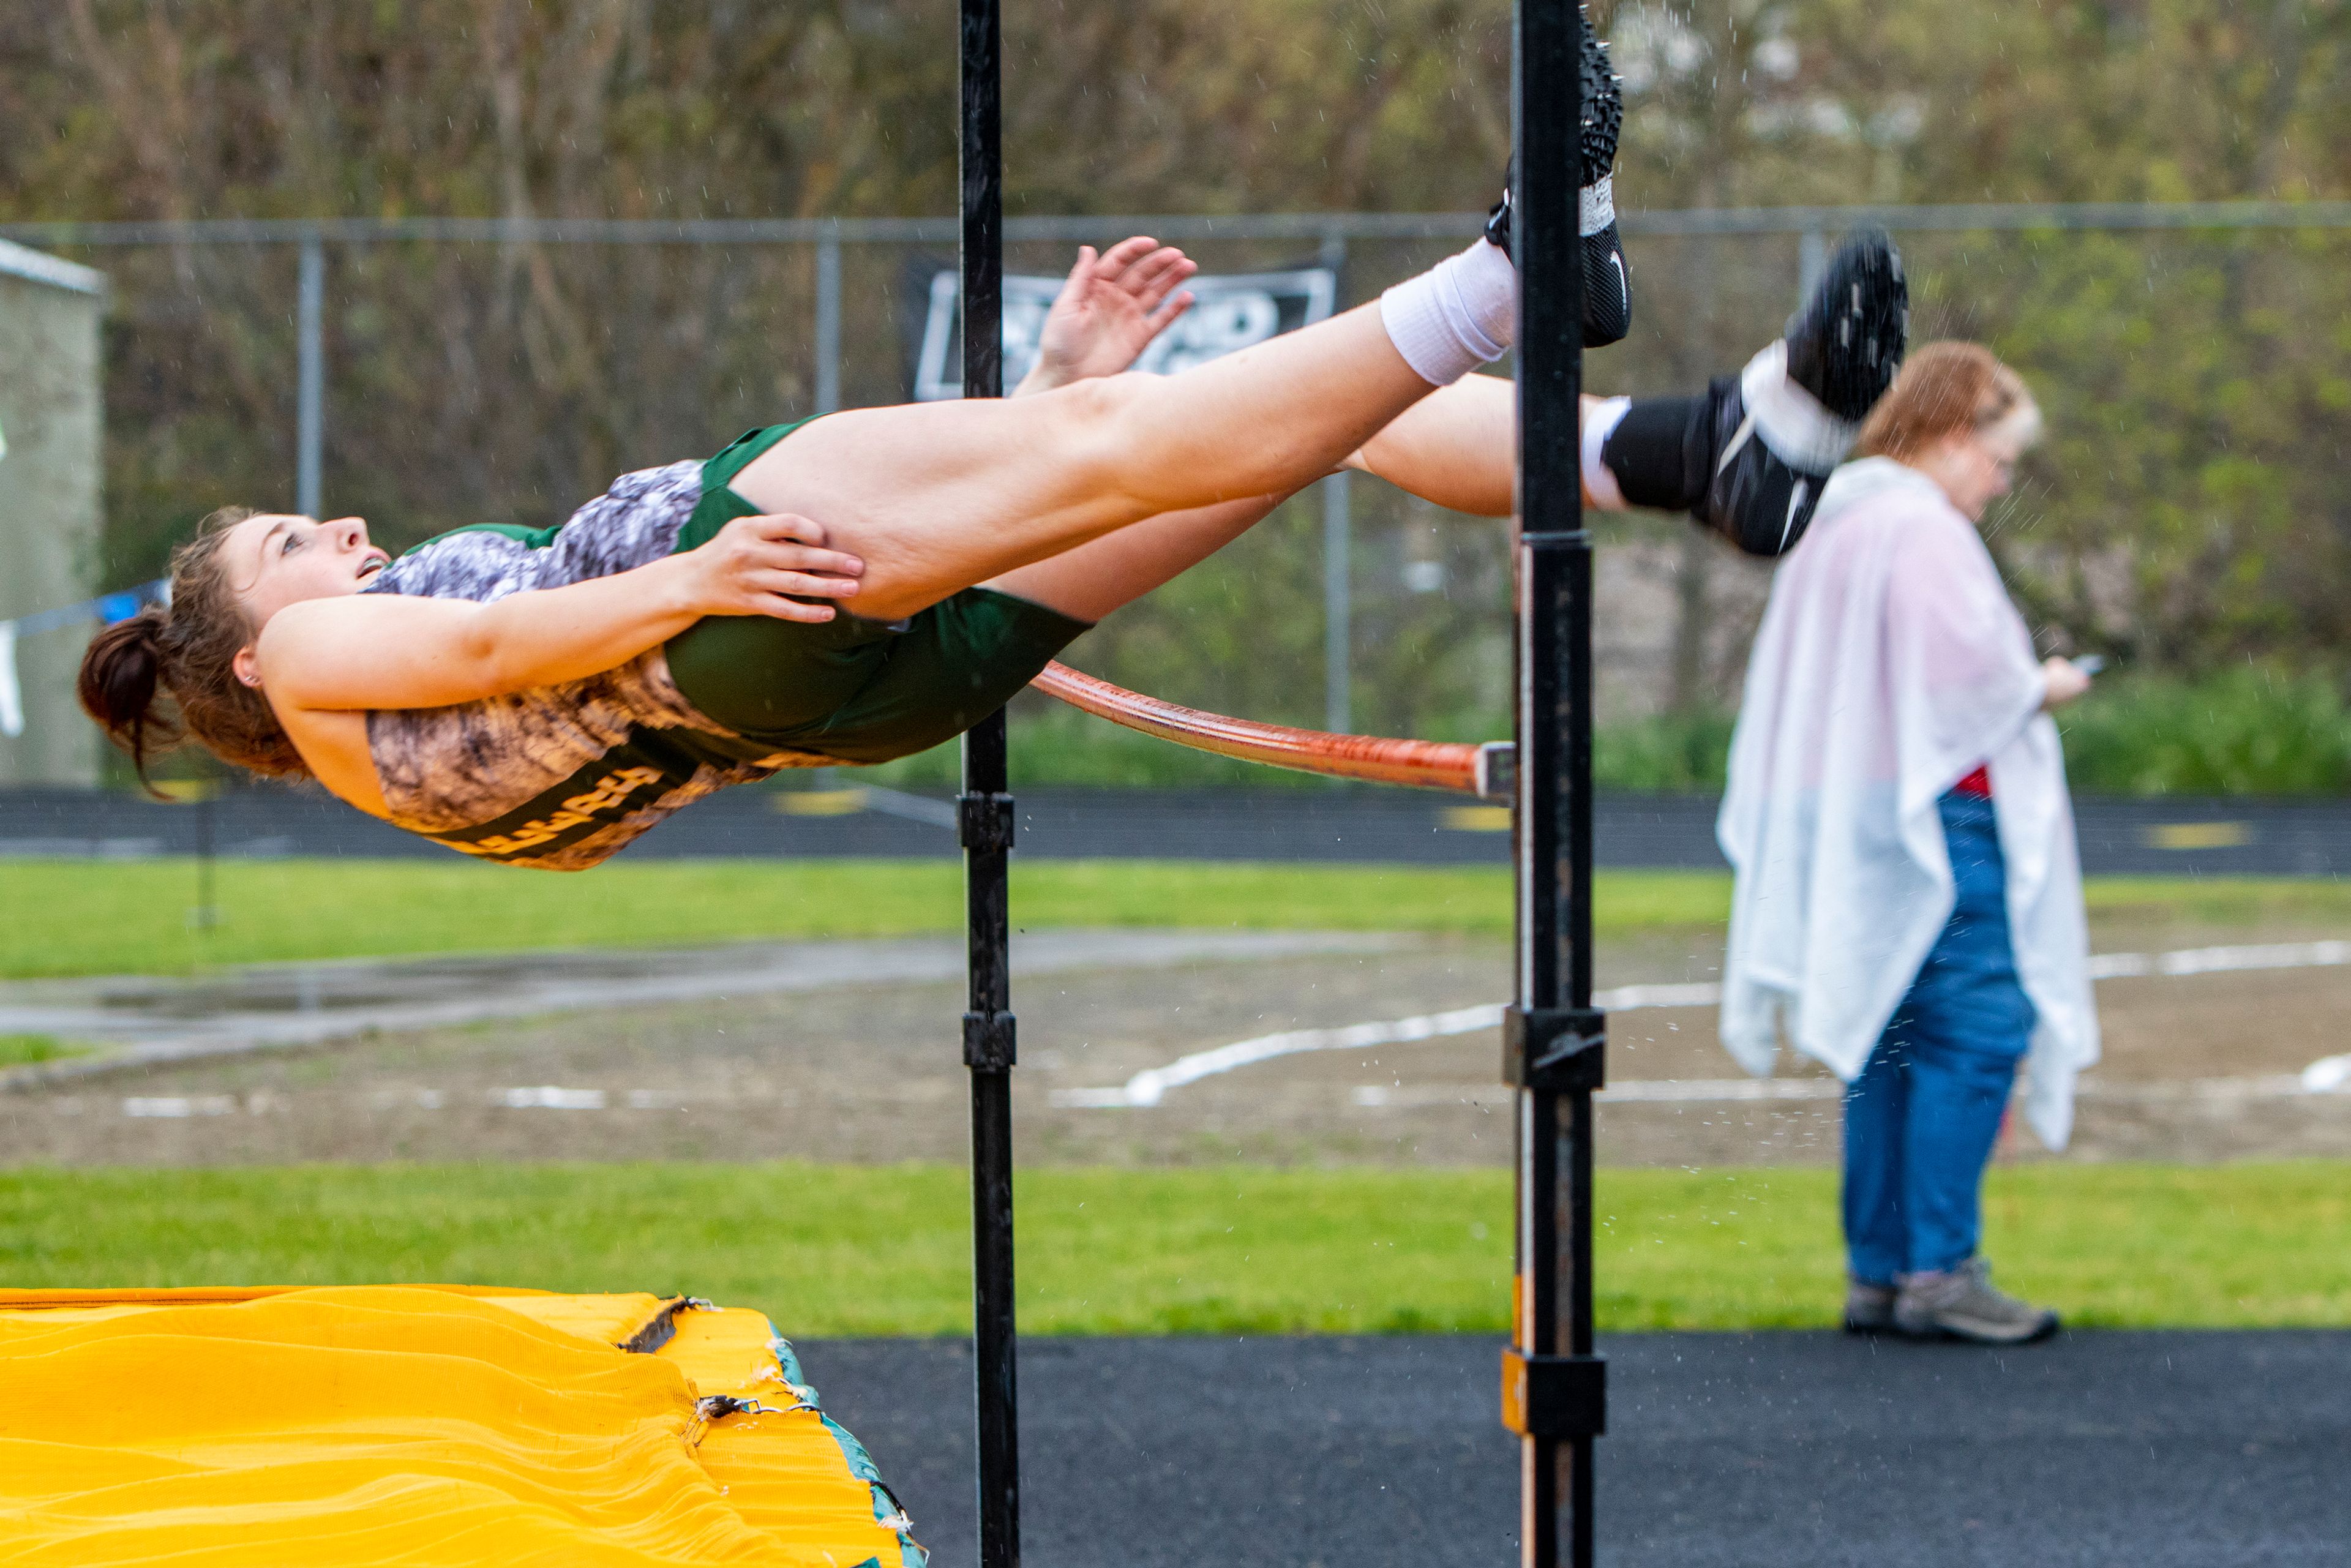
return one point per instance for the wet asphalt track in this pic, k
(2152, 1451)
(2151, 837)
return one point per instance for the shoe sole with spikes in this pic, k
(1845, 344)
(1607, 288)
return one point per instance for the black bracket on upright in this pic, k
(1559, 1050)
(1554, 1395)
(984, 823)
(988, 1042)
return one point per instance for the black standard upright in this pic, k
(986, 828)
(1553, 1387)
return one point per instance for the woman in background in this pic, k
(1908, 895)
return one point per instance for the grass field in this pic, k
(127, 917)
(829, 1249)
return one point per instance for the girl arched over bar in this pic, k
(856, 587)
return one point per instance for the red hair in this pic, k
(1945, 388)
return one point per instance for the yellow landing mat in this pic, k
(403, 1425)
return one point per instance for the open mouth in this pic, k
(369, 568)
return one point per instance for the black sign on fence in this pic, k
(1231, 312)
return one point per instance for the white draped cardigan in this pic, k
(1891, 664)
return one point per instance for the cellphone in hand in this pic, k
(2089, 663)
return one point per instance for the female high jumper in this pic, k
(863, 586)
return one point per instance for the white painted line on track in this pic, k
(2223, 1091)
(2327, 1075)
(1150, 1086)
(2220, 960)
(549, 1097)
(155, 1029)
(174, 1106)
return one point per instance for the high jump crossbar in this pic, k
(1465, 767)
(1552, 1385)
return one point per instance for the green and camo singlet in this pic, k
(559, 778)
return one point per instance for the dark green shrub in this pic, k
(1666, 754)
(2244, 731)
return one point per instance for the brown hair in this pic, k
(1944, 389)
(189, 652)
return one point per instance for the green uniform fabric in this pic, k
(862, 691)
(795, 694)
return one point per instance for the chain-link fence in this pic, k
(2189, 509)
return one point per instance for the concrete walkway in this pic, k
(142, 1020)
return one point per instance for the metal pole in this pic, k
(1811, 260)
(986, 830)
(1338, 610)
(1552, 1385)
(1338, 557)
(311, 361)
(828, 321)
(207, 913)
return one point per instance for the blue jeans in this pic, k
(1920, 1121)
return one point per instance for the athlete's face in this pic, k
(275, 559)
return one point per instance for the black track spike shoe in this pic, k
(1498, 216)
(1756, 498)
(1847, 341)
(1780, 426)
(1607, 289)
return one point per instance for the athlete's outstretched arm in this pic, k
(398, 651)
(1110, 308)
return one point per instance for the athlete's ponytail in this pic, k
(119, 676)
(165, 675)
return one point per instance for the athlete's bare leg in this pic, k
(933, 497)
(1114, 570)
(1456, 447)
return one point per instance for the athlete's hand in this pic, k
(770, 566)
(1108, 312)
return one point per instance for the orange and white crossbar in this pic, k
(1464, 767)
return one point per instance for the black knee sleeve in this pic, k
(1661, 451)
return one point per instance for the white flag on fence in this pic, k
(12, 701)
